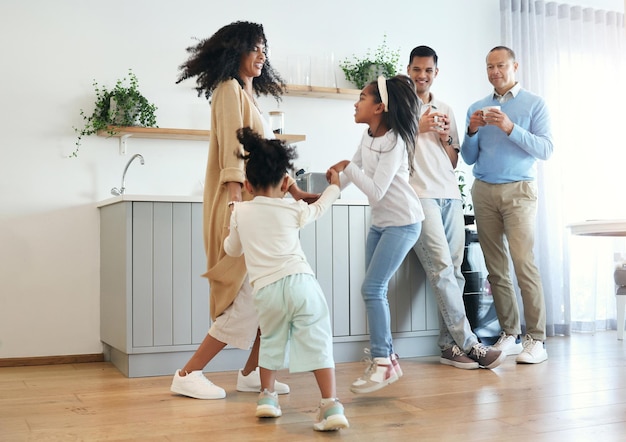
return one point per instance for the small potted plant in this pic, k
(361, 71)
(465, 198)
(123, 105)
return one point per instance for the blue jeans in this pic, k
(440, 250)
(385, 249)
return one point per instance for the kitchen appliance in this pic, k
(313, 182)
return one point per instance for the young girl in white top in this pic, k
(289, 301)
(381, 168)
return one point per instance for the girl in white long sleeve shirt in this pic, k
(381, 168)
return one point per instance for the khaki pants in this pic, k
(505, 213)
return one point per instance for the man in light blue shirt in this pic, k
(507, 132)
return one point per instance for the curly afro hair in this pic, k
(267, 161)
(217, 59)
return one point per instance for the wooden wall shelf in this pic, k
(293, 90)
(123, 133)
(299, 90)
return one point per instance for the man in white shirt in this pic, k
(441, 244)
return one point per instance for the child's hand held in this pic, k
(333, 177)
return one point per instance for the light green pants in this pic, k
(505, 213)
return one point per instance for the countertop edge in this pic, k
(191, 199)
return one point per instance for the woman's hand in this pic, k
(299, 194)
(234, 192)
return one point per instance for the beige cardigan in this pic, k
(231, 109)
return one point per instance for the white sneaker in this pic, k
(252, 383)
(534, 352)
(508, 344)
(196, 385)
(379, 374)
(330, 417)
(267, 405)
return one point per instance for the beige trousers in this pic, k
(505, 219)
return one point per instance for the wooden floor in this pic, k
(579, 394)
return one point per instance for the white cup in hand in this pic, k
(439, 122)
(488, 109)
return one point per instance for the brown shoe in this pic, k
(455, 357)
(487, 357)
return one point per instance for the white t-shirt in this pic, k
(266, 231)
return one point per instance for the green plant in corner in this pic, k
(361, 71)
(123, 105)
(465, 197)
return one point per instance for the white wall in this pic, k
(52, 51)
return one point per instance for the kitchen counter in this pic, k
(154, 304)
(192, 199)
(151, 198)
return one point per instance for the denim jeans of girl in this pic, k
(386, 248)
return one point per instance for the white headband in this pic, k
(382, 90)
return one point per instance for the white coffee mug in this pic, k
(439, 122)
(488, 109)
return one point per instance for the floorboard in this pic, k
(579, 394)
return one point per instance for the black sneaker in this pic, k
(487, 357)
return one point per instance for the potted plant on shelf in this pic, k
(123, 105)
(465, 198)
(361, 71)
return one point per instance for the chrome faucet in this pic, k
(120, 191)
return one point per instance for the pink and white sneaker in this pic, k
(396, 365)
(379, 373)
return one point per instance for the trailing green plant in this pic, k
(465, 197)
(123, 105)
(361, 71)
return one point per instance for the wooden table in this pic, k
(599, 227)
(606, 227)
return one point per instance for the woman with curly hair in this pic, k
(230, 68)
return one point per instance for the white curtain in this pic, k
(574, 57)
